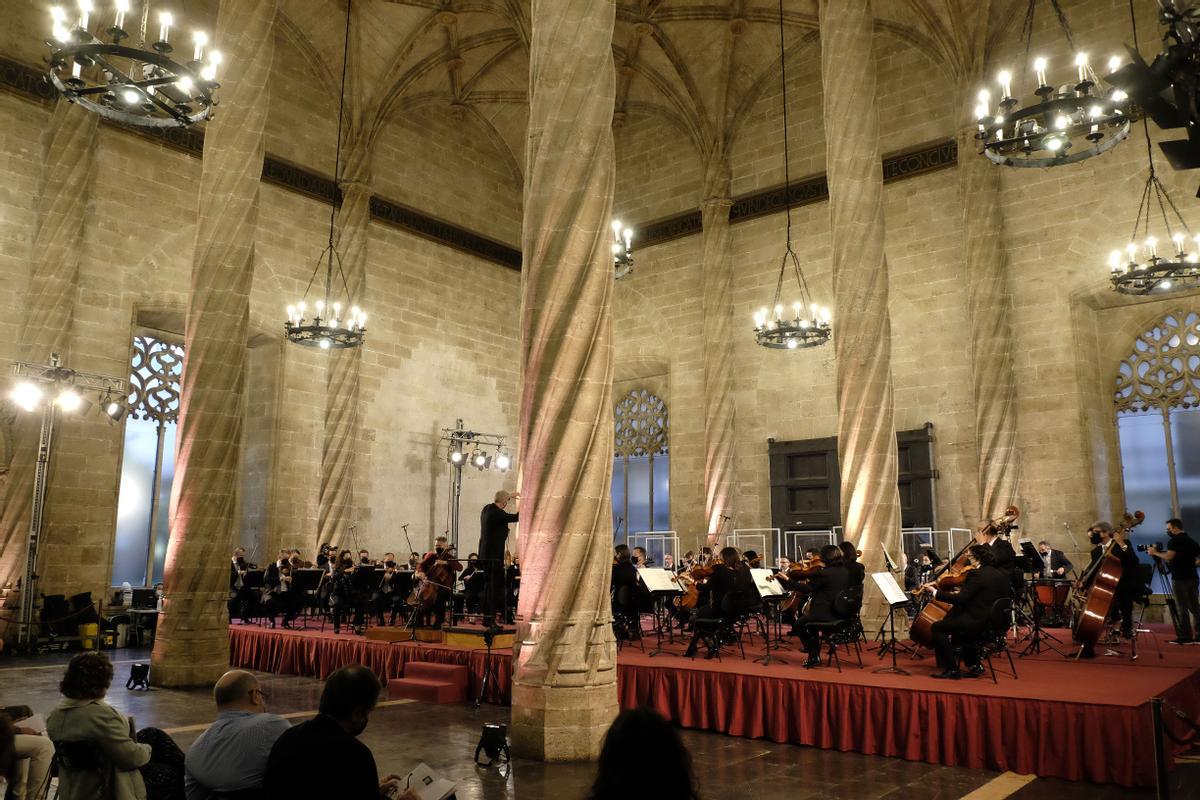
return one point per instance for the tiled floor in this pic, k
(403, 734)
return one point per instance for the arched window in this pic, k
(1158, 423)
(147, 462)
(640, 486)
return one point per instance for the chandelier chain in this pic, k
(787, 182)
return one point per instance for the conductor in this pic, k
(493, 532)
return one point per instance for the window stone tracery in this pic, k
(640, 424)
(154, 380)
(1163, 369)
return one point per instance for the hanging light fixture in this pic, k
(622, 247)
(1147, 264)
(804, 323)
(1082, 117)
(333, 321)
(136, 84)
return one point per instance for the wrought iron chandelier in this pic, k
(1066, 123)
(138, 84)
(808, 324)
(330, 323)
(622, 247)
(1146, 268)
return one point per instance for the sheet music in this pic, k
(658, 580)
(892, 592)
(766, 588)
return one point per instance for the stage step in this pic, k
(455, 674)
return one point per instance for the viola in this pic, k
(690, 581)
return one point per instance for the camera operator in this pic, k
(1181, 554)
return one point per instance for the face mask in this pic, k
(1095, 538)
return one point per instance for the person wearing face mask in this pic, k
(331, 737)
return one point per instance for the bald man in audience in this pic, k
(231, 756)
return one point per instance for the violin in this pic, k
(690, 582)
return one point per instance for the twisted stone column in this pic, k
(716, 268)
(862, 327)
(989, 309)
(564, 677)
(192, 644)
(338, 510)
(69, 158)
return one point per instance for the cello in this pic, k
(950, 578)
(1105, 574)
(439, 576)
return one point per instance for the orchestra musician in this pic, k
(989, 534)
(1054, 562)
(239, 596)
(444, 557)
(639, 557)
(387, 598)
(494, 520)
(472, 579)
(970, 614)
(278, 597)
(364, 557)
(629, 597)
(729, 589)
(823, 587)
(414, 561)
(341, 594)
(1129, 586)
(856, 571)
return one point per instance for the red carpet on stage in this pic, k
(1086, 720)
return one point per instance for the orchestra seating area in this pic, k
(1081, 721)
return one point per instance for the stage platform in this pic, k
(1082, 721)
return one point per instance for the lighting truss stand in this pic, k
(456, 439)
(47, 375)
(489, 639)
(892, 644)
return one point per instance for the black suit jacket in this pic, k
(493, 531)
(979, 593)
(826, 586)
(1058, 560)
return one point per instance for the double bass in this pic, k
(949, 578)
(1105, 574)
(439, 576)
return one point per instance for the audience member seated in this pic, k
(8, 759)
(329, 739)
(99, 757)
(230, 758)
(635, 733)
(34, 753)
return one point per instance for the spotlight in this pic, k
(503, 461)
(139, 677)
(456, 457)
(113, 409)
(493, 741)
(26, 395)
(130, 96)
(480, 459)
(69, 400)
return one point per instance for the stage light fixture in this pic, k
(503, 461)
(456, 456)
(69, 400)
(481, 460)
(113, 408)
(493, 741)
(26, 395)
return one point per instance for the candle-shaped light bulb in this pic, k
(185, 85)
(984, 97)
(337, 309)
(291, 313)
(981, 112)
(628, 236)
(616, 226)
(1081, 66)
(200, 39)
(355, 311)
(1152, 246)
(362, 319)
(616, 248)
(320, 307)
(58, 15)
(1005, 79)
(1039, 66)
(1062, 122)
(1178, 239)
(302, 306)
(164, 25)
(1114, 64)
(208, 73)
(797, 307)
(1131, 251)
(214, 60)
(778, 311)
(85, 8)
(1119, 96)
(1114, 260)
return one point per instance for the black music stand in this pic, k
(890, 642)
(253, 582)
(307, 581)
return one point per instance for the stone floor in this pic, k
(403, 733)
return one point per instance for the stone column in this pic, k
(716, 268)
(989, 309)
(564, 677)
(192, 645)
(69, 158)
(862, 332)
(338, 509)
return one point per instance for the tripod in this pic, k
(1037, 635)
(489, 639)
(892, 645)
